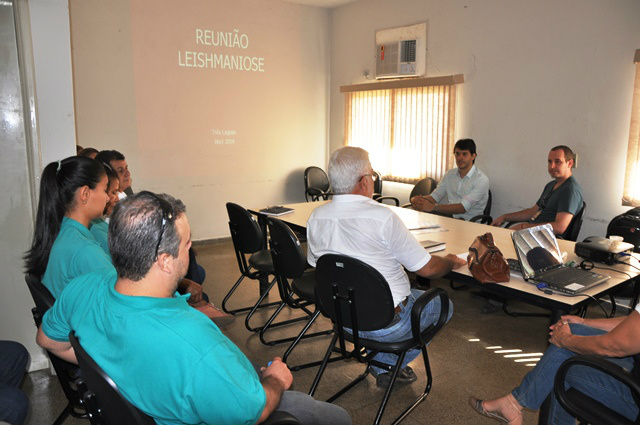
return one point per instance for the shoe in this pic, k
(491, 306)
(405, 376)
(478, 406)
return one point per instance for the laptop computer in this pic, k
(541, 262)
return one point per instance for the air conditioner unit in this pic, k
(400, 52)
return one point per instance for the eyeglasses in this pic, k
(167, 215)
(374, 177)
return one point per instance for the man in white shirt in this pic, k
(463, 192)
(354, 224)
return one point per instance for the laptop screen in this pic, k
(537, 249)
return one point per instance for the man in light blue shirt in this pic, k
(463, 192)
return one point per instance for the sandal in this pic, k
(478, 406)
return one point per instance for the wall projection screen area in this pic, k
(218, 90)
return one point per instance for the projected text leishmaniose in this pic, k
(220, 61)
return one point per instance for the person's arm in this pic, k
(276, 379)
(604, 324)
(59, 348)
(559, 225)
(621, 341)
(428, 204)
(523, 215)
(439, 266)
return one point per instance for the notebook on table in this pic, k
(541, 262)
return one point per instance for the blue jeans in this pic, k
(538, 383)
(400, 329)
(14, 404)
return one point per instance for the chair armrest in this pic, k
(431, 331)
(482, 218)
(585, 407)
(387, 198)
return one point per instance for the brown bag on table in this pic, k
(486, 262)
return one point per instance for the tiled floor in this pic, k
(461, 363)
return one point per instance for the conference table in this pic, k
(458, 236)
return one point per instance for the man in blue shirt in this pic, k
(463, 192)
(561, 198)
(166, 358)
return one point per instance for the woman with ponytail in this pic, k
(73, 192)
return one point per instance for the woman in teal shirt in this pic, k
(99, 227)
(73, 192)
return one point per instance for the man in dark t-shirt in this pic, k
(561, 198)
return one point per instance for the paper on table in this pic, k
(463, 255)
(429, 230)
(420, 225)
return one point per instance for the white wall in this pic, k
(49, 64)
(161, 124)
(537, 74)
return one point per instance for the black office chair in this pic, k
(485, 217)
(66, 372)
(573, 229)
(290, 263)
(316, 184)
(248, 241)
(423, 187)
(355, 295)
(377, 191)
(105, 403)
(586, 409)
(625, 225)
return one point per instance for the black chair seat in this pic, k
(403, 345)
(262, 261)
(303, 286)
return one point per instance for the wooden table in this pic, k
(460, 234)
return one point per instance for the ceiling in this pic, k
(329, 4)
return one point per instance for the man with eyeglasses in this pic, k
(463, 192)
(561, 198)
(168, 360)
(354, 224)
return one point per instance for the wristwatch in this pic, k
(437, 207)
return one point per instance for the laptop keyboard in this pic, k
(564, 275)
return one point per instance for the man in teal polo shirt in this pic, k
(167, 359)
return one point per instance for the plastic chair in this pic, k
(105, 403)
(342, 285)
(316, 184)
(423, 187)
(290, 263)
(377, 191)
(585, 408)
(248, 241)
(66, 372)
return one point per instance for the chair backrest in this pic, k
(289, 260)
(315, 178)
(104, 398)
(487, 208)
(245, 231)
(343, 283)
(377, 185)
(571, 234)
(423, 187)
(41, 296)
